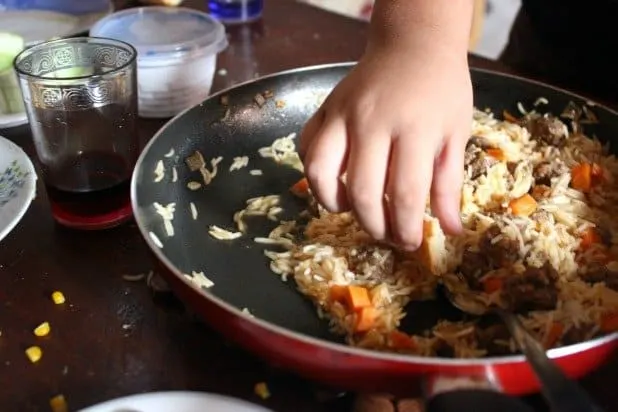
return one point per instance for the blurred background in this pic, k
(492, 23)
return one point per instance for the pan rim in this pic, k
(340, 348)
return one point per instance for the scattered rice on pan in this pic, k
(223, 234)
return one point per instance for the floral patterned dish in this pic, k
(17, 185)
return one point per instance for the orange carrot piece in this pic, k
(358, 297)
(400, 340)
(523, 206)
(365, 319)
(581, 177)
(589, 237)
(509, 117)
(338, 293)
(609, 322)
(300, 188)
(492, 284)
(554, 334)
(496, 153)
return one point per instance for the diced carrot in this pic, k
(609, 322)
(358, 297)
(492, 284)
(589, 237)
(338, 293)
(555, 332)
(509, 117)
(496, 153)
(355, 297)
(366, 318)
(301, 188)
(523, 206)
(400, 340)
(581, 177)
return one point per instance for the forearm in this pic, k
(443, 25)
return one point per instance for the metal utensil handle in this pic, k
(562, 393)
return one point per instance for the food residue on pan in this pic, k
(196, 162)
(167, 214)
(239, 162)
(283, 151)
(159, 171)
(200, 280)
(267, 206)
(222, 234)
(193, 185)
(155, 239)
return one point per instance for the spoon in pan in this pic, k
(561, 393)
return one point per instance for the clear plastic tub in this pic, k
(177, 54)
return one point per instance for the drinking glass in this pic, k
(81, 99)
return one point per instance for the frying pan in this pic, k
(285, 329)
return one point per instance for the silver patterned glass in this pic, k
(81, 98)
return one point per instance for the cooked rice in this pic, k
(256, 172)
(334, 250)
(223, 234)
(193, 209)
(167, 214)
(200, 280)
(171, 153)
(174, 174)
(283, 151)
(239, 162)
(267, 206)
(159, 171)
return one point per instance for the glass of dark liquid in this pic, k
(81, 99)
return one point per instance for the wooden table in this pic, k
(113, 337)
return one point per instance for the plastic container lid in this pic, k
(164, 33)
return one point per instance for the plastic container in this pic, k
(177, 54)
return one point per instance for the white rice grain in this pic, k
(239, 162)
(159, 171)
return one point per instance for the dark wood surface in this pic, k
(113, 337)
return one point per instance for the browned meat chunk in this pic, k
(477, 160)
(502, 253)
(535, 289)
(479, 142)
(548, 129)
(488, 336)
(540, 192)
(542, 216)
(491, 255)
(576, 334)
(600, 273)
(544, 172)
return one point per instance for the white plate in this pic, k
(36, 26)
(13, 120)
(176, 402)
(17, 185)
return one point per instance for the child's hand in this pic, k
(398, 124)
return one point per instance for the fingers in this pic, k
(325, 160)
(446, 186)
(366, 179)
(309, 132)
(410, 174)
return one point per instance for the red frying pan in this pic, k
(285, 329)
